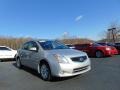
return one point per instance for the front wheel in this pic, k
(45, 72)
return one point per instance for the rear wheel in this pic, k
(45, 72)
(99, 54)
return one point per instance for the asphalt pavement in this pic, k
(105, 75)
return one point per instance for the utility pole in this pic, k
(113, 34)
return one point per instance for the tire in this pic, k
(99, 54)
(18, 63)
(45, 72)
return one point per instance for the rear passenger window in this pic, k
(85, 46)
(118, 44)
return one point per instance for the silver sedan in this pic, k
(52, 58)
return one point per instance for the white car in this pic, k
(7, 53)
(52, 58)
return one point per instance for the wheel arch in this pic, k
(44, 61)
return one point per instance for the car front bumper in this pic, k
(73, 72)
(66, 70)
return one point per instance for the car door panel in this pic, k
(86, 48)
(34, 58)
(30, 57)
(25, 57)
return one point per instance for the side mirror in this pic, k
(33, 49)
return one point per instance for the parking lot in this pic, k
(105, 75)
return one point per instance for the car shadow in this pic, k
(7, 60)
(58, 79)
(100, 57)
(34, 72)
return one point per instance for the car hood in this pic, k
(66, 52)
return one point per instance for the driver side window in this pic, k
(29, 45)
(25, 46)
(32, 45)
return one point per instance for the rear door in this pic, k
(79, 47)
(24, 54)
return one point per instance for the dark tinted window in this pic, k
(102, 44)
(85, 45)
(81, 46)
(117, 44)
(70, 45)
(4, 48)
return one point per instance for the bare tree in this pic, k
(14, 43)
(112, 34)
(114, 31)
(76, 41)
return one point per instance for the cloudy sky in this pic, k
(52, 18)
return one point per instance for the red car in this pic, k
(94, 49)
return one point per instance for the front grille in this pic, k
(80, 69)
(79, 59)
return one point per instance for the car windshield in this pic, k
(50, 45)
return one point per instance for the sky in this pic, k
(50, 19)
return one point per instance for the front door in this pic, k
(33, 55)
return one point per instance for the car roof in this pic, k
(37, 40)
(44, 40)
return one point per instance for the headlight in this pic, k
(108, 49)
(60, 59)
